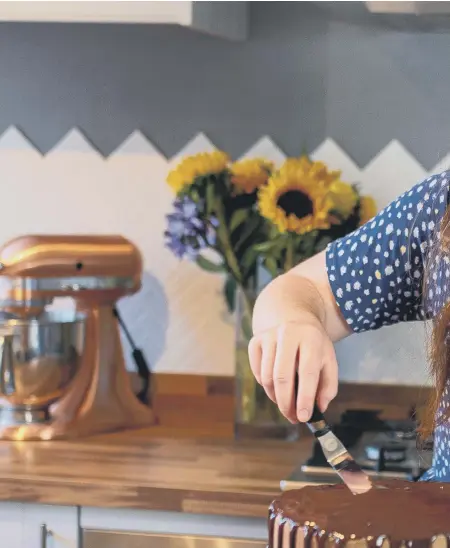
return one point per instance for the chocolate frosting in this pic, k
(402, 511)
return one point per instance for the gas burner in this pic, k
(401, 434)
(385, 453)
(384, 449)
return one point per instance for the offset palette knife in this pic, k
(336, 454)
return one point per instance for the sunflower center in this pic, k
(296, 202)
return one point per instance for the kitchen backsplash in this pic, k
(179, 318)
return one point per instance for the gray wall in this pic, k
(307, 71)
(384, 84)
(169, 82)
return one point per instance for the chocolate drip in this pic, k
(322, 538)
(293, 535)
(420, 543)
(271, 520)
(308, 533)
(281, 532)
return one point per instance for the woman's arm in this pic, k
(303, 291)
(368, 279)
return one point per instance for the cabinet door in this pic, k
(47, 526)
(11, 526)
(119, 539)
(97, 522)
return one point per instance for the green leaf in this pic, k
(251, 228)
(274, 232)
(248, 263)
(238, 218)
(208, 265)
(264, 247)
(270, 264)
(249, 258)
(229, 292)
(217, 202)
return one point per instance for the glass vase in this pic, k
(256, 416)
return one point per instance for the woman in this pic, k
(395, 268)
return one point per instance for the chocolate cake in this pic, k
(393, 513)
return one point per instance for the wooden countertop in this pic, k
(138, 470)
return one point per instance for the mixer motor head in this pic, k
(93, 269)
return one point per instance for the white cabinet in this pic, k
(50, 526)
(111, 528)
(224, 19)
(38, 526)
(11, 524)
(44, 526)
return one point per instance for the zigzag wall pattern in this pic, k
(179, 318)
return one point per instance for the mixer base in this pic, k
(20, 416)
(99, 399)
(55, 431)
(24, 432)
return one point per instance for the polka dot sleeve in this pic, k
(376, 273)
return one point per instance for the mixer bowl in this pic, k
(39, 357)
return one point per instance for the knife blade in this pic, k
(336, 453)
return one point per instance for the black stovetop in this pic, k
(382, 448)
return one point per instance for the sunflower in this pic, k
(344, 198)
(302, 163)
(296, 198)
(367, 209)
(195, 166)
(315, 170)
(248, 175)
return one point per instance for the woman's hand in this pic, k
(295, 323)
(302, 345)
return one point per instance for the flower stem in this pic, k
(227, 249)
(233, 265)
(289, 261)
(247, 314)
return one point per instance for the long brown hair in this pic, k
(438, 339)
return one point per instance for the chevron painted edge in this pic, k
(394, 153)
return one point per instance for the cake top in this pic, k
(398, 509)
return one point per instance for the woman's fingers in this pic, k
(276, 355)
(284, 372)
(328, 385)
(309, 368)
(269, 347)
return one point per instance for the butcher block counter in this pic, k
(119, 489)
(138, 470)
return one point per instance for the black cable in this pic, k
(140, 361)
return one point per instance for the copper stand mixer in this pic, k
(92, 391)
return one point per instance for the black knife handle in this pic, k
(317, 414)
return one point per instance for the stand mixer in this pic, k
(79, 385)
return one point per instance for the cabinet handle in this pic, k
(45, 533)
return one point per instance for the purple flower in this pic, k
(188, 232)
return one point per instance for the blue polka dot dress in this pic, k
(377, 274)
